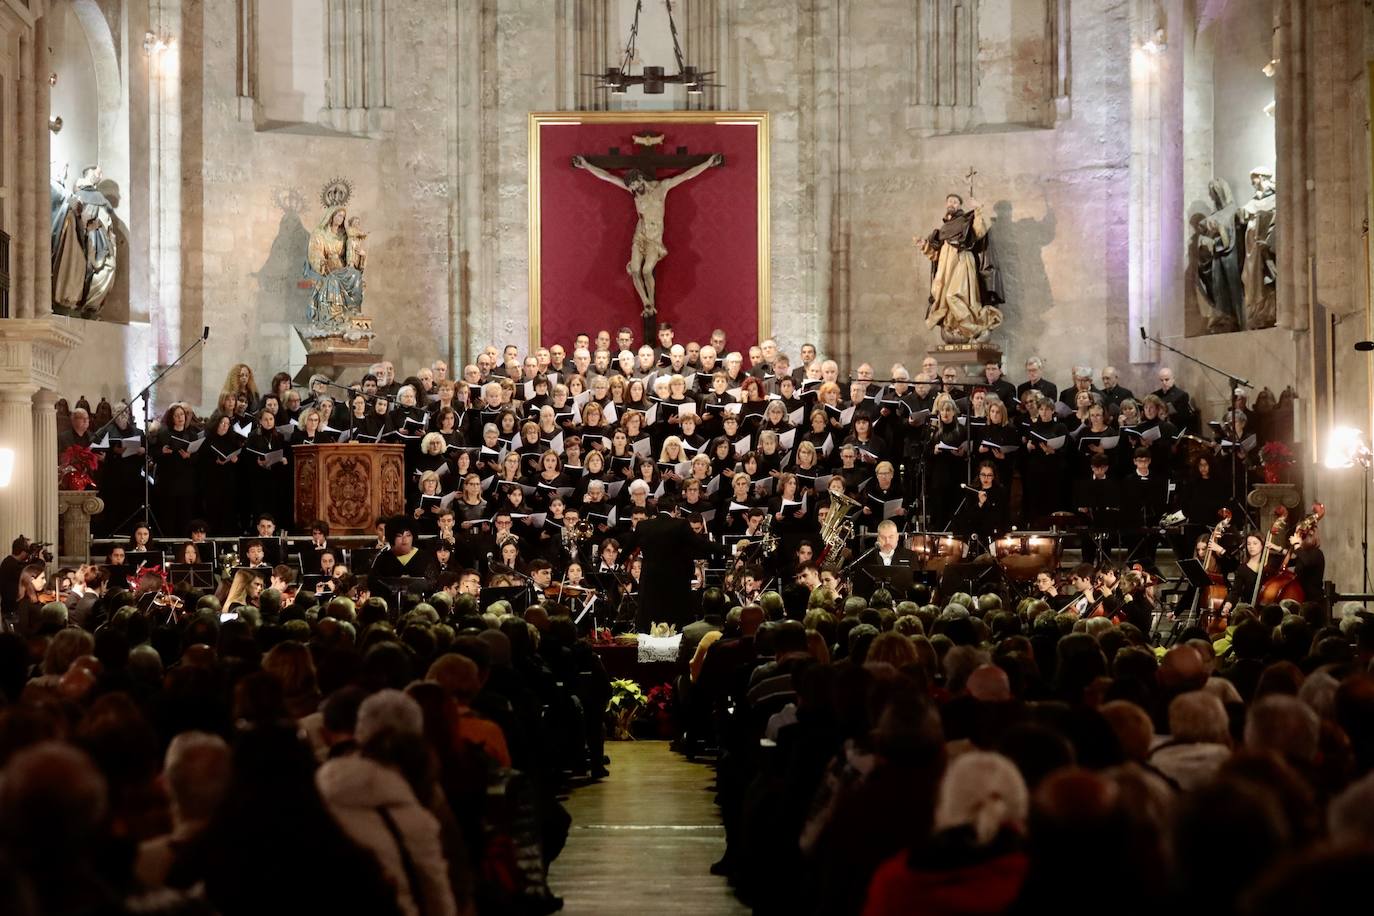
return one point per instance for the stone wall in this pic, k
(1087, 173)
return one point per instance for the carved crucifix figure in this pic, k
(650, 198)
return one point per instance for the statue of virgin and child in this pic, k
(335, 263)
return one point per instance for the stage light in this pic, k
(1345, 448)
(6, 466)
(1270, 68)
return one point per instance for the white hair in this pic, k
(1283, 724)
(197, 769)
(984, 791)
(639, 485)
(1198, 717)
(1350, 816)
(388, 710)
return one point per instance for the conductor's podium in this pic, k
(349, 486)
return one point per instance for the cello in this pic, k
(1284, 583)
(1212, 599)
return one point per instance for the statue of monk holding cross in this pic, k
(650, 198)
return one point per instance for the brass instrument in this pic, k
(228, 562)
(837, 529)
(578, 534)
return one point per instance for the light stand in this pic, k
(147, 509)
(1347, 449)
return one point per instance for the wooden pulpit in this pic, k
(349, 486)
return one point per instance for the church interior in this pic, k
(774, 456)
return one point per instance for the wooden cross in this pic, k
(646, 160)
(969, 178)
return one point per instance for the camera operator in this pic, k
(10, 568)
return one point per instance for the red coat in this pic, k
(989, 885)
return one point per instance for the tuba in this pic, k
(838, 529)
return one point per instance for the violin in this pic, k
(1284, 583)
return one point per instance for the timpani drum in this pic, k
(937, 549)
(1023, 555)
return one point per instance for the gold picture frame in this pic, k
(758, 119)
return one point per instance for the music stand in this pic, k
(361, 559)
(518, 596)
(897, 579)
(197, 576)
(397, 587)
(964, 577)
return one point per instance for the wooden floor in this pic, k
(643, 838)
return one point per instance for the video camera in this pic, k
(39, 550)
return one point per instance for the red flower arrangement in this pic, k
(1274, 457)
(75, 467)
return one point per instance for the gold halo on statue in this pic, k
(337, 193)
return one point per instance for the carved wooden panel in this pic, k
(393, 475)
(349, 481)
(307, 483)
(349, 486)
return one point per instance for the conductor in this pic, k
(668, 546)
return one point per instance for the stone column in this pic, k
(16, 432)
(45, 466)
(76, 508)
(1268, 497)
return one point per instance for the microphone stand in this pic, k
(1234, 384)
(149, 519)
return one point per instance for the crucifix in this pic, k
(650, 195)
(969, 178)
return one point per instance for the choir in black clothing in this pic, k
(526, 443)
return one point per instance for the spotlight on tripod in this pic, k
(1345, 448)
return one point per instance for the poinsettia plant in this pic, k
(1274, 457)
(75, 468)
(627, 699)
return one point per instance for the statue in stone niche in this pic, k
(84, 252)
(964, 282)
(1218, 248)
(1258, 278)
(650, 198)
(335, 271)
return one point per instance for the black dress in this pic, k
(946, 469)
(174, 494)
(219, 482)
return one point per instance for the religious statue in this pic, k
(964, 282)
(1259, 275)
(84, 251)
(650, 198)
(334, 266)
(1218, 250)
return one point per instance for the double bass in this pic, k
(1212, 600)
(1284, 583)
(1275, 532)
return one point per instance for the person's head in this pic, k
(985, 793)
(1034, 367)
(887, 536)
(1198, 717)
(953, 202)
(400, 535)
(1141, 459)
(1166, 378)
(987, 476)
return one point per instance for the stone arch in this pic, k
(105, 60)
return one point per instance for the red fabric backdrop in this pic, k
(708, 279)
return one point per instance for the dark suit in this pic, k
(668, 547)
(867, 577)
